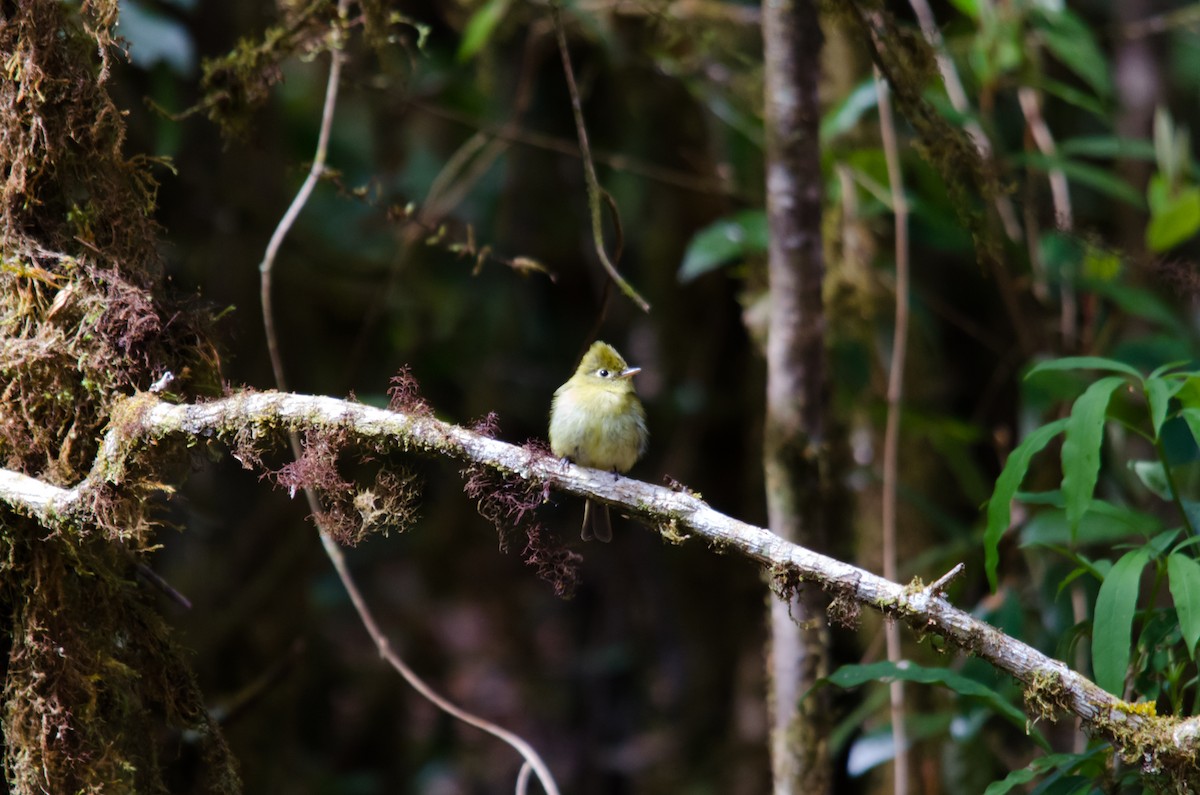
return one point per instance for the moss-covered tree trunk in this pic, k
(95, 696)
(798, 425)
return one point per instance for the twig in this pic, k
(617, 162)
(1060, 194)
(293, 211)
(891, 437)
(156, 579)
(332, 551)
(595, 193)
(1186, 17)
(939, 585)
(464, 168)
(531, 756)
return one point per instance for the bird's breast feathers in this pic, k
(599, 429)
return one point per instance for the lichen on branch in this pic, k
(1170, 743)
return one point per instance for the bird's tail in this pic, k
(596, 523)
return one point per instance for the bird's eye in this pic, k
(603, 373)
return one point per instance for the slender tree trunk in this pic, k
(797, 422)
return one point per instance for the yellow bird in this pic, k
(596, 420)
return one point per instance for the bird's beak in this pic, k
(629, 371)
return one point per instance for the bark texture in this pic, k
(795, 452)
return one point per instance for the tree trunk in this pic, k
(795, 455)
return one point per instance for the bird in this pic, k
(596, 420)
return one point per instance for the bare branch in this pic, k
(939, 585)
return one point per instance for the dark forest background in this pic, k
(651, 677)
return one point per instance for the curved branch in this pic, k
(595, 193)
(334, 553)
(1050, 684)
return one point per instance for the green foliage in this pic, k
(725, 241)
(846, 115)
(480, 28)
(1081, 447)
(849, 676)
(1173, 197)
(1056, 769)
(999, 511)
(1157, 405)
(1183, 572)
(1072, 42)
(1113, 626)
(1174, 214)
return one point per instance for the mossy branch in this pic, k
(1159, 742)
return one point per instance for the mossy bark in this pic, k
(94, 689)
(799, 431)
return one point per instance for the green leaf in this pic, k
(1081, 447)
(1140, 303)
(1084, 363)
(1035, 769)
(1074, 575)
(1158, 192)
(1189, 396)
(157, 38)
(846, 114)
(1102, 180)
(1154, 477)
(1053, 497)
(1176, 221)
(1097, 178)
(1184, 574)
(1057, 764)
(1112, 626)
(1168, 371)
(735, 118)
(1072, 96)
(1191, 511)
(876, 746)
(1100, 265)
(1192, 417)
(1108, 147)
(726, 240)
(1104, 523)
(1159, 392)
(999, 510)
(480, 28)
(1071, 42)
(968, 8)
(1159, 543)
(856, 675)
